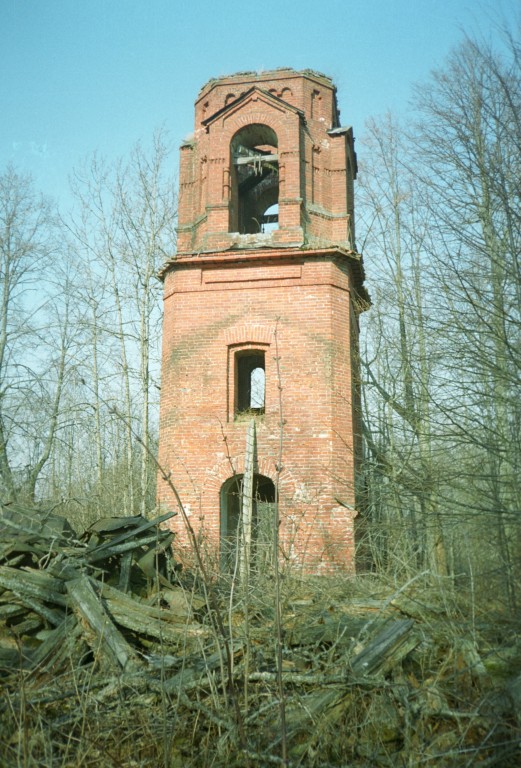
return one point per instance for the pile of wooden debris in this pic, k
(110, 656)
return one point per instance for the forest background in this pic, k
(439, 223)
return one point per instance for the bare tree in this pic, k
(441, 211)
(35, 336)
(469, 140)
(123, 230)
(399, 353)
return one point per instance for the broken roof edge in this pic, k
(342, 129)
(268, 74)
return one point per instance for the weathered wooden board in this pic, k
(32, 583)
(387, 649)
(160, 623)
(100, 633)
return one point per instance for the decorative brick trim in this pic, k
(249, 333)
(227, 468)
(268, 117)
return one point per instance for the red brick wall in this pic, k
(291, 294)
(210, 307)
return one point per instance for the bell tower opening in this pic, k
(255, 180)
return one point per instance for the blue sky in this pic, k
(84, 75)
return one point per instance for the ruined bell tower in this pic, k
(261, 305)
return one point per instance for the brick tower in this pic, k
(261, 306)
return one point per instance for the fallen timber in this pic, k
(109, 656)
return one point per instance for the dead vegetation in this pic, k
(109, 656)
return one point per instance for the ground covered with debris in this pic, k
(110, 655)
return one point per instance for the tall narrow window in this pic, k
(316, 104)
(315, 174)
(250, 381)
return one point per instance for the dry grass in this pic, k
(444, 692)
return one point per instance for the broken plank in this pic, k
(190, 677)
(124, 573)
(53, 616)
(101, 633)
(11, 610)
(389, 646)
(133, 533)
(60, 643)
(148, 562)
(32, 583)
(156, 622)
(104, 552)
(255, 158)
(26, 627)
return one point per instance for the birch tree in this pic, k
(124, 230)
(36, 336)
(469, 139)
(441, 212)
(399, 351)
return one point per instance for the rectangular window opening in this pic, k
(250, 382)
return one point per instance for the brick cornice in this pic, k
(235, 257)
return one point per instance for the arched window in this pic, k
(255, 178)
(287, 95)
(270, 218)
(263, 519)
(250, 381)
